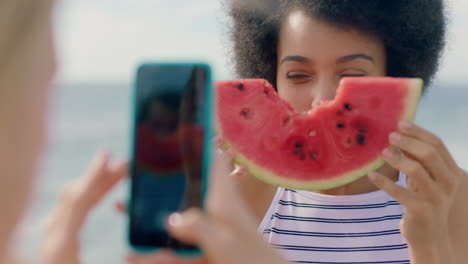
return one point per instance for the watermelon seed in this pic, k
(312, 133)
(347, 107)
(297, 151)
(245, 112)
(340, 125)
(312, 156)
(240, 87)
(298, 145)
(361, 139)
(265, 91)
(363, 129)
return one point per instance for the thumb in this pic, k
(221, 243)
(195, 228)
(189, 226)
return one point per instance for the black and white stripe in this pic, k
(319, 229)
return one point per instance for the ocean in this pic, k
(87, 117)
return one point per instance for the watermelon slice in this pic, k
(333, 144)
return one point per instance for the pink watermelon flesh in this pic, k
(333, 144)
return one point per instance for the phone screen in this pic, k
(168, 150)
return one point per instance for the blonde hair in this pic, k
(21, 22)
(17, 20)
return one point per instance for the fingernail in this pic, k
(387, 153)
(405, 125)
(238, 170)
(175, 219)
(395, 137)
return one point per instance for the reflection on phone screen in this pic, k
(168, 150)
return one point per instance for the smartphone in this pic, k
(170, 153)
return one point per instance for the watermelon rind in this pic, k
(265, 175)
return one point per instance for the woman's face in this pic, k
(313, 56)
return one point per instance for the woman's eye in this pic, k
(298, 75)
(352, 75)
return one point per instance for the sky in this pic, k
(105, 40)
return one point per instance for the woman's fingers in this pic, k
(221, 243)
(189, 227)
(80, 196)
(98, 164)
(429, 150)
(402, 195)
(419, 178)
(194, 227)
(424, 152)
(415, 131)
(99, 179)
(428, 156)
(61, 244)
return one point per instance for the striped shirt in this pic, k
(324, 229)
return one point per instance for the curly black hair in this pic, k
(413, 31)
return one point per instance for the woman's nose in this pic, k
(325, 91)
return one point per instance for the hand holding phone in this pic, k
(170, 154)
(227, 234)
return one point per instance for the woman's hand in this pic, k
(61, 244)
(433, 180)
(226, 232)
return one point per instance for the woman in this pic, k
(305, 48)
(27, 67)
(413, 210)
